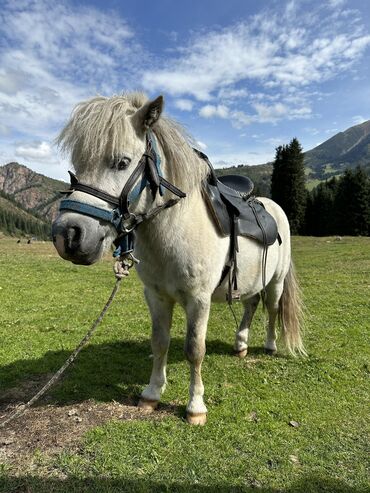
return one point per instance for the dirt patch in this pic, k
(51, 428)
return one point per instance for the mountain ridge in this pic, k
(34, 192)
(346, 149)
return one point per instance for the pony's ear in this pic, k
(148, 114)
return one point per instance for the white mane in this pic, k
(96, 128)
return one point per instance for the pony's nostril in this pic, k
(73, 237)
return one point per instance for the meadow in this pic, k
(275, 424)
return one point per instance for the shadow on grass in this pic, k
(103, 372)
(30, 484)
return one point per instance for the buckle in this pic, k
(129, 223)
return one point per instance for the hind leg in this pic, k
(241, 337)
(273, 294)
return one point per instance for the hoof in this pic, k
(147, 405)
(270, 352)
(241, 354)
(196, 419)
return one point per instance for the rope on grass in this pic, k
(23, 407)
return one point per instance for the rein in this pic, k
(23, 407)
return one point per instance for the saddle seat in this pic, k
(237, 183)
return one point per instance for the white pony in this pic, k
(182, 255)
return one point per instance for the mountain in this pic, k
(346, 149)
(32, 191)
(28, 201)
(16, 221)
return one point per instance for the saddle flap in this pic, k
(217, 207)
(255, 222)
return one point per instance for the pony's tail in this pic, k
(291, 314)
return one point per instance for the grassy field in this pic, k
(88, 436)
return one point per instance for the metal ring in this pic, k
(131, 227)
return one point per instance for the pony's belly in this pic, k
(178, 282)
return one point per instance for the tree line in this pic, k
(14, 223)
(339, 206)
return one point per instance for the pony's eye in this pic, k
(121, 164)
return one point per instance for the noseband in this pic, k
(148, 168)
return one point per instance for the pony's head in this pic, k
(106, 138)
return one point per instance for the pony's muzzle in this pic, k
(77, 239)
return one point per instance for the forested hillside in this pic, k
(16, 221)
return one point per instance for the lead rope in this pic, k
(121, 270)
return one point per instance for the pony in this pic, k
(182, 254)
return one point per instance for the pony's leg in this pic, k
(161, 312)
(273, 295)
(241, 337)
(197, 313)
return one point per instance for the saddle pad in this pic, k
(252, 219)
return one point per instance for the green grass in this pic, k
(247, 445)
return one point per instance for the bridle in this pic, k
(124, 221)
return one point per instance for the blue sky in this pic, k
(242, 76)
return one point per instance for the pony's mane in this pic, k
(95, 129)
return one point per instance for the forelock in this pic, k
(97, 126)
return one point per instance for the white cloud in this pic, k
(278, 55)
(4, 129)
(270, 113)
(230, 94)
(35, 151)
(53, 56)
(184, 104)
(337, 3)
(358, 119)
(242, 157)
(210, 110)
(276, 141)
(312, 130)
(201, 145)
(241, 119)
(263, 113)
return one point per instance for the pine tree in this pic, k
(320, 211)
(288, 184)
(352, 203)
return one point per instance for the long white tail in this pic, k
(291, 314)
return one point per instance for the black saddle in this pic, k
(237, 213)
(231, 205)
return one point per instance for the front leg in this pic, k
(197, 313)
(161, 309)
